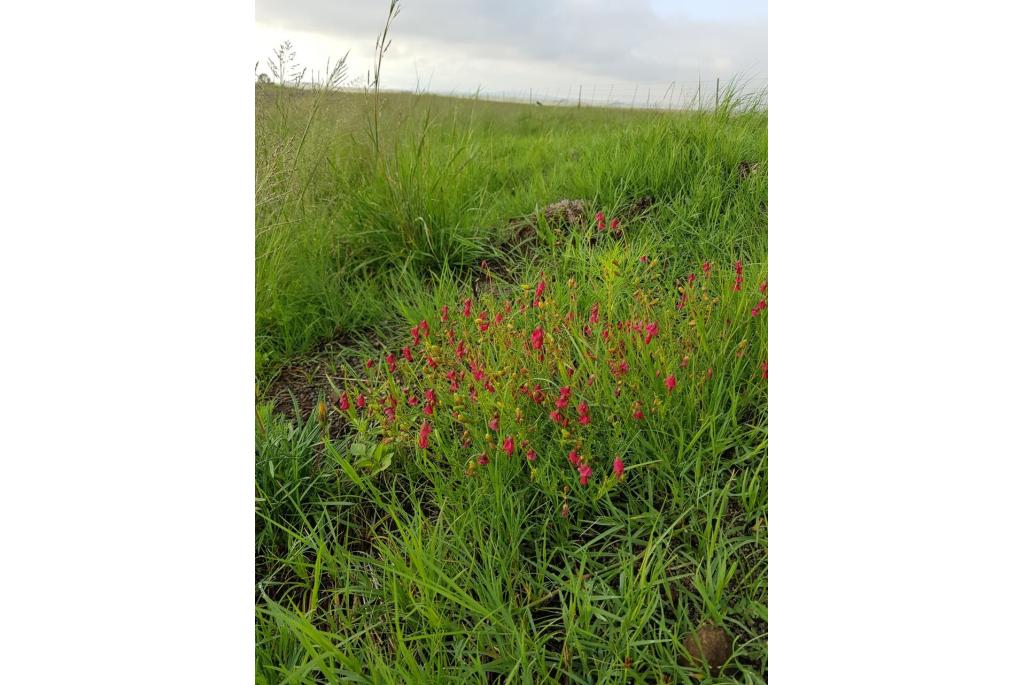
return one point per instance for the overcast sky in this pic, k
(546, 45)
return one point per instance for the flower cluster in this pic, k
(557, 374)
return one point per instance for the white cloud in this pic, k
(504, 46)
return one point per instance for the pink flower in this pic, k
(493, 423)
(508, 446)
(531, 455)
(343, 401)
(537, 338)
(424, 435)
(670, 381)
(361, 401)
(585, 472)
(618, 468)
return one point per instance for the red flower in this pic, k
(460, 351)
(736, 284)
(431, 362)
(537, 338)
(574, 458)
(390, 359)
(563, 397)
(343, 401)
(645, 259)
(407, 353)
(682, 301)
(652, 330)
(444, 313)
(764, 370)
(508, 446)
(585, 472)
(584, 412)
(707, 268)
(600, 220)
(764, 287)
(483, 460)
(531, 455)
(739, 267)
(594, 314)
(538, 292)
(412, 400)
(618, 468)
(691, 278)
(557, 417)
(615, 224)
(425, 328)
(466, 305)
(361, 401)
(670, 381)
(424, 435)
(415, 332)
(493, 423)
(370, 363)
(638, 415)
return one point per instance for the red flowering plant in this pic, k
(572, 384)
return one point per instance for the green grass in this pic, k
(379, 561)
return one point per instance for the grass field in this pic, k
(500, 439)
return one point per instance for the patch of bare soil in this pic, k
(710, 645)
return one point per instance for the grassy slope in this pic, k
(421, 573)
